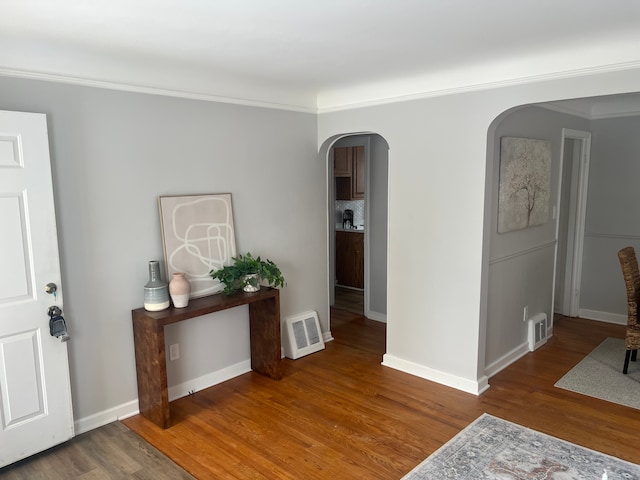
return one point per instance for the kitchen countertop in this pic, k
(354, 230)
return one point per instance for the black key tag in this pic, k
(57, 325)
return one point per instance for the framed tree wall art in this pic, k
(197, 236)
(525, 183)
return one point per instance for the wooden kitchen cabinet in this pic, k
(349, 171)
(358, 173)
(350, 259)
(342, 161)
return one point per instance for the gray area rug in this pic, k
(600, 375)
(492, 448)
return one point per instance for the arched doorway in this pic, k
(543, 269)
(369, 210)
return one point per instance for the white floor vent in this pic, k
(537, 331)
(302, 335)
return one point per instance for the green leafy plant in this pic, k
(237, 276)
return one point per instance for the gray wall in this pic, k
(613, 214)
(440, 214)
(378, 227)
(521, 264)
(113, 153)
(612, 222)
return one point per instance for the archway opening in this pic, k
(568, 264)
(357, 219)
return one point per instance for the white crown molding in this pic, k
(423, 91)
(603, 116)
(47, 77)
(380, 96)
(632, 109)
(563, 108)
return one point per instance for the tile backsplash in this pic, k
(358, 210)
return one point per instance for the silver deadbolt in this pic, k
(51, 288)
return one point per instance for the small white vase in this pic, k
(179, 289)
(252, 283)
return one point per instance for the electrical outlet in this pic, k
(174, 351)
(525, 314)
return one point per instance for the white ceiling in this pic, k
(312, 54)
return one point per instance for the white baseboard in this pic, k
(209, 380)
(506, 360)
(129, 409)
(603, 316)
(327, 337)
(99, 419)
(459, 383)
(377, 316)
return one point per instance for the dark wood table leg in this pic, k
(264, 320)
(151, 370)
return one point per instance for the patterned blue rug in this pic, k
(492, 448)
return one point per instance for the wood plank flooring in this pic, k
(109, 452)
(340, 414)
(349, 300)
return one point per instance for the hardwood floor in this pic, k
(340, 414)
(349, 300)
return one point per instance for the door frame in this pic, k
(570, 303)
(363, 139)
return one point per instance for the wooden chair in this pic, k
(629, 264)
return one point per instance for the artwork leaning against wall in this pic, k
(198, 235)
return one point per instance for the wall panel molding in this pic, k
(614, 236)
(522, 253)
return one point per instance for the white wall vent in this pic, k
(537, 331)
(302, 335)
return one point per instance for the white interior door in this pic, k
(35, 395)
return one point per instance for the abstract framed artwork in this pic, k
(197, 236)
(525, 183)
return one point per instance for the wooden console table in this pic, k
(151, 362)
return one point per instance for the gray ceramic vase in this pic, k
(156, 292)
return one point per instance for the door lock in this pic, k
(51, 289)
(57, 325)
